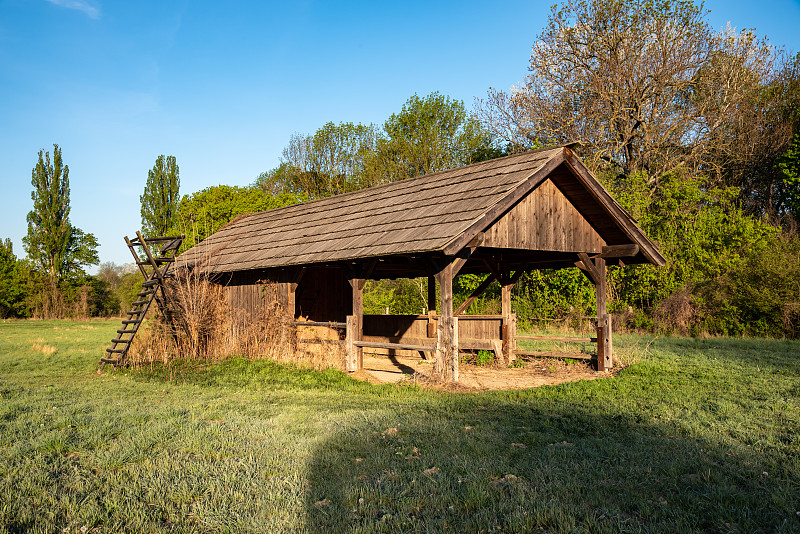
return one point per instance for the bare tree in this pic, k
(645, 86)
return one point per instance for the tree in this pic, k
(429, 134)
(161, 196)
(55, 246)
(12, 282)
(646, 86)
(329, 162)
(788, 167)
(203, 213)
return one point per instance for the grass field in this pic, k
(697, 436)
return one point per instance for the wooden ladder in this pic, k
(155, 269)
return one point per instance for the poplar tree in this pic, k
(49, 229)
(161, 197)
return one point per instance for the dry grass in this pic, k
(203, 326)
(678, 313)
(44, 348)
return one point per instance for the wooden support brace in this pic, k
(475, 294)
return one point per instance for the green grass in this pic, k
(697, 436)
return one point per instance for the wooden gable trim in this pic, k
(507, 202)
(621, 217)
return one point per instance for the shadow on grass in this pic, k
(484, 464)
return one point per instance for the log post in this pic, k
(291, 298)
(505, 304)
(351, 364)
(431, 294)
(357, 285)
(608, 354)
(603, 319)
(446, 363)
(431, 306)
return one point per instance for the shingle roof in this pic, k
(415, 215)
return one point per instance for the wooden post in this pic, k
(351, 363)
(454, 349)
(358, 318)
(605, 356)
(291, 300)
(446, 363)
(431, 293)
(608, 354)
(431, 306)
(506, 333)
(512, 338)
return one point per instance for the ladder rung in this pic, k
(139, 302)
(113, 361)
(126, 321)
(120, 351)
(117, 340)
(145, 293)
(157, 260)
(149, 283)
(135, 312)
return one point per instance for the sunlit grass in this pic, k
(694, 436)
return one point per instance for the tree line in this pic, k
(696, 132)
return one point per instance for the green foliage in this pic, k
(788, 166)
(484, 357)
(717, 259)
(551, 294)
(329, 162)
(203, 213)
(405, 296)
(429, 134)
(161, 196)
(759, 296)
(12, 280)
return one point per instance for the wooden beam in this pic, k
(394, 346)
(495, 270)
(619, 251)
(461, 258)
(589, 267)
(475, 294)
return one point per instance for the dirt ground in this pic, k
(537, 372)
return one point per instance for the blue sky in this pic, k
(222, 85)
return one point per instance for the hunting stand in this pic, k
(155, 269)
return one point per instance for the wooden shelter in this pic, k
(539, 209)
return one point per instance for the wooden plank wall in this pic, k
(544, 220)
(246, 293)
